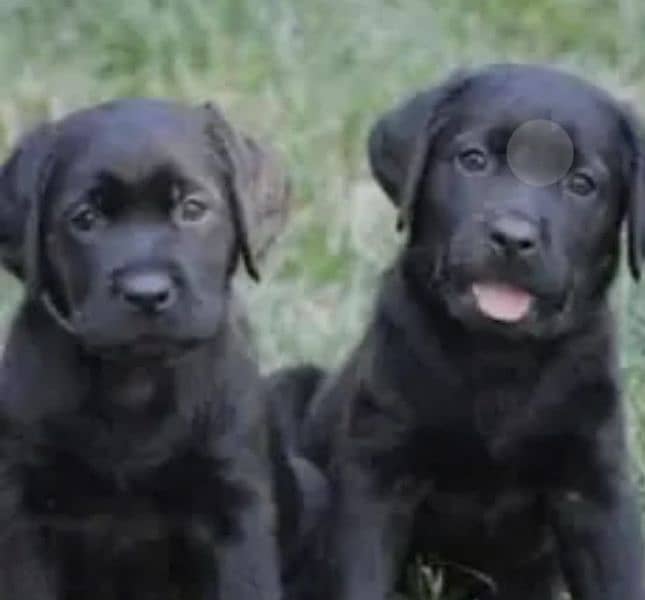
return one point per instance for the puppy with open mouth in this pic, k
(479, 423)
(134, 458)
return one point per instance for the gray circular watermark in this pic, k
(539, 152)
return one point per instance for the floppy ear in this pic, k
(23, 186)
(635, 217)
(21, 180)
(401, 140)
(259, 189)
(636, 195)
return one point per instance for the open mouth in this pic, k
(501, 301)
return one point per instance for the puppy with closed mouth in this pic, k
(134, 455)
(479, 423)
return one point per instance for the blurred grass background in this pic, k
(311, 76)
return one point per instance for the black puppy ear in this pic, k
(632, 131)
(259, 189)
(401, 140)
(21, 183)
(24, 180)
(636, 199)
(635, 217)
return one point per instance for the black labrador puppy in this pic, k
(134, 451)
(479, 422)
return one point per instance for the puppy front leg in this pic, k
(23, 575)
(23, 571)
(600, 544)
(369, 532)
(248, 566)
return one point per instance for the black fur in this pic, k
(302, 490)
(135, 452)
(495, 449)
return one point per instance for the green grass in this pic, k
(312, 75)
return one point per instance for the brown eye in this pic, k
(581, 184)
(191, 210)
(86, 218)
(473, 160)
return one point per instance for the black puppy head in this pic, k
(127, 220)
(501, 251)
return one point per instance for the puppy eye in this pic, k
(473, 160)
(86, 217)
(191, 210)
(581, 184)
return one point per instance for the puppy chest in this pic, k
(467, 525)
(495, 435)
(117, 508)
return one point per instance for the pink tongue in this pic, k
(502, 302)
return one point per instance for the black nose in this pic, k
(150, 292)
(514, 237)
